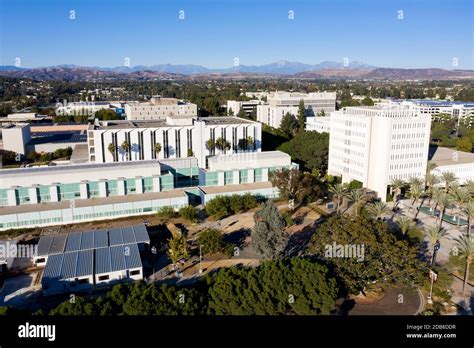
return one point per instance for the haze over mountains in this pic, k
(326, 69)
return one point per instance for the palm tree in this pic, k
(112, 149)
(470, 187)
(405, 223)
(434, 233)
(222, 144)
(378, 209)
(469, 213)
(460, 197)
(338, 192)
(465, 246)
(431, 181)
(157, 149)
(449, 178)
(125, 147)
(416, 190)
(357, 197)
(210, 145)
(397, 185)
(443, 200)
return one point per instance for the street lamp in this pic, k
(200, 259)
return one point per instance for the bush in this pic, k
(166, 213)
(189, 213)
(223, 206)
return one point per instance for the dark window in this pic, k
(104, 277)
(136, 272)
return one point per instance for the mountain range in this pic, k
(326, 69)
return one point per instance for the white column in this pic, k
(220, 179)
(236, 177)
(33, 194)
(250, 176)
(265, 174)
(156, 183)
(102, 188)
(11, 195)
(139, 184)
(53, 192)
(83, 189)
(121, 186)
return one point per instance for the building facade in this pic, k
(460, 163)
(280, 103)
(375, 145)
(159, 108)
(320, 124)
(177, 138)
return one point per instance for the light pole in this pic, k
(200, 259)
(433, 275)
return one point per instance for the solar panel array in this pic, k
(50, 245)
(79, 254)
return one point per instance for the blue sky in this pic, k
(431, 34)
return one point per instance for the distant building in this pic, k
(435, 107)
(159, 109)
(460, 163)
(319, 124)
(247, 106)
(83, 108)
(375, 145)
(280, 103)
(23, 116)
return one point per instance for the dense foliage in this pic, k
(222, 206)
(310, 149)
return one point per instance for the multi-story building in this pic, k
(159, 108)
(319, 124)
(435, 107)
(460, 163)
(248, 106)
(178, 137)
(375, 145)
(44, 196)
(280, 103)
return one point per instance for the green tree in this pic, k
(288, 125)
(113, 150)
(464, 144)
(405, 224)
(222, 144)
(301, 115)
(386, 259)
(465, 246)
(157, 148)
(126, 148)
(367, 101)
(177, 248)
(339, 192)
(357, 197)
(212, 242)
(294, 184)
(189, 213)
(295, 286)
(378, 209)
(269, 237)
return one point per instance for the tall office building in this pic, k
(375, 145)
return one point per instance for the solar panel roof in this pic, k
(103, 261)
(85, 264)
(53, 266)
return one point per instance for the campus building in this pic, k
(45, 196)
(280, 103)
(375, 145)
(320, 124)
(236, 105)
(435, 107)
(460, 163)
(159, 108)
(178, 137)
(82, 261)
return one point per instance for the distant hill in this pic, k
(323, 70)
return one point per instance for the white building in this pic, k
(82, 108)
(280, 103)
(319, 124)
(248, 106)
(375, 145)
(460, 163)
(16, 137)
(159, 108)
(179, 137)
(435, 107)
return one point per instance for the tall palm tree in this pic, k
(460, 197)
(357, 197)
(112, 149)
(125, 147)
(338, 192)
(416, 190)
(405, 224)
(465, 246)
(378, 209)
(431, 181)
(397, 185)
(448, 178)
(434, 233)
(469, 213)
(443, 200)
(469, 184)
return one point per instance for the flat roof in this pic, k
(57, 138)
(29, 208)
(235, 188)
(444, 156)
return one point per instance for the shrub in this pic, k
(223, 206)
(166, 213)
(189, 213)
(212, 242)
